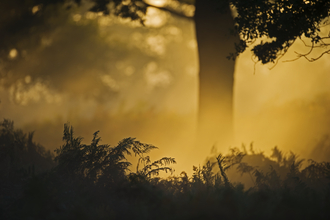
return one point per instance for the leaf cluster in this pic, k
(133, 9)
(281, 22)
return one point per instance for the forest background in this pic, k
(142, 82)
(127, 80)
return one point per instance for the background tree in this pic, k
(213, 21)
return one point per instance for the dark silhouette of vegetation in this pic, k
(95, 182)
(282, 22)
(20, 160)
(20, 156)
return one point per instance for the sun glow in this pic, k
(155, 18)
(157, 3)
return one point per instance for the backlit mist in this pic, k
(126, 80)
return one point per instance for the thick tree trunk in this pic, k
(216, 77)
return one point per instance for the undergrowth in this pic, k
(96, 181)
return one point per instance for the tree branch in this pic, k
(312, 47)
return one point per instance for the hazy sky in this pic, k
(107, 74)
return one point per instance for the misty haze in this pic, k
(87, 96)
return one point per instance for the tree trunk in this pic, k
(213, 22)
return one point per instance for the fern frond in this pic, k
(155, 172)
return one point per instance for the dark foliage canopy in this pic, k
(281, 22)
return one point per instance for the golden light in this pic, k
(157, 3)
(76, 17)
(35, 9)
(155, 17)
(27, 79)
(13, 53)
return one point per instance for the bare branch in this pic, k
(321, 55)
(312, 47)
